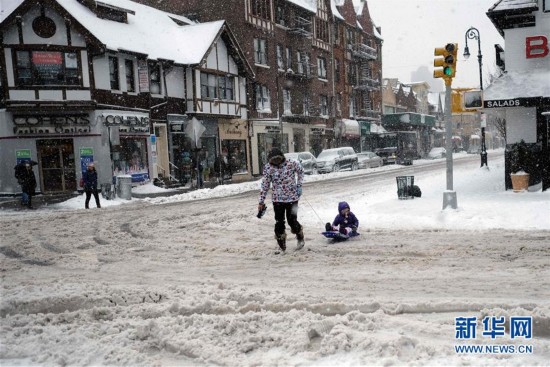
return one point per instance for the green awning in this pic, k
(365, 127)
(408, 118)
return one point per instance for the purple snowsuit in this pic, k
(345, 224)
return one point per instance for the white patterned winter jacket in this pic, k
(284, 179)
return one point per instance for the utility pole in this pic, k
(446, 59)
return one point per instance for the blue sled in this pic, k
(337, 236)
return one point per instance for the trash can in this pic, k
(405, 187)
(124, 187)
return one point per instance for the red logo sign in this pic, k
(536, 46)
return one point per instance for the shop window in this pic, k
(237, 155)
(130, 78)
(47, 68)
(113, 73)
(130, 157)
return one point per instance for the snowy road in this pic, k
(197, 283)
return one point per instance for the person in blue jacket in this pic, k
(89, 179)
(345, 222)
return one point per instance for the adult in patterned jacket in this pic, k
(285, 176)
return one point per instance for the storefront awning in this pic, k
(409, 118)
(515, 89)
(349, 128)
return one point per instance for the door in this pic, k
(56, 165)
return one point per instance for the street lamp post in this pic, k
(473, 33)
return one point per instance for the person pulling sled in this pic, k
(285, 177)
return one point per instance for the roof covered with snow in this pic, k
(309, 5)
(505, 5)
(335, 10)
(148, 31)
(519, 85)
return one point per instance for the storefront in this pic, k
(54, 141)
(126, 133)
(234, 142)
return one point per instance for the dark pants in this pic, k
(26, 199)
(89, 193)
(290, 211)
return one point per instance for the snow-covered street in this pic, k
(176, 281)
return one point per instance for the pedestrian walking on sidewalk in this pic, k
(89, 181)
(26, 178)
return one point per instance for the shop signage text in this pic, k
(51, 124)
(536, 46)
(113, 120)
(512, 102)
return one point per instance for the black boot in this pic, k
(281, 240)
(328, 227)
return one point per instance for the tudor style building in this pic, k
(91, 81)
(317, 66)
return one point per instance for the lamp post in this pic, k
(473, 33)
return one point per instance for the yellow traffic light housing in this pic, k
(445, 61)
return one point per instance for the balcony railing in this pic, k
(367, 83)
(300, 26)
(363, 51)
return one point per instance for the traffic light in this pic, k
(446, 60)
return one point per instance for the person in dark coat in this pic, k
(89, 179)
(25, 177)
(222, 167)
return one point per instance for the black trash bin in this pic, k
(405, 187)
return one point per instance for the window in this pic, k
(322, 67)
(339, 104)
(263, 101)
(130, 79)
(47, 68)
(154, 79)
(350, 37)
(226, 87)
(336, 70)
(323, 104)
(281, 15)
(280, 60)
(236, 155)
(351, 106)
(322, 30)
(287, 102)
(288, 58)
(306, 104)
(217, 86)
(300, 68)
(113, 73)
(260, 51)
(307, 67)
(261, 8)
(336, 33)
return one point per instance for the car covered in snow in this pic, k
(308, 161)
(369, 160)
(438, 152)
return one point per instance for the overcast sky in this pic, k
(413, 28)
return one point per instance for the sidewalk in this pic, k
(43, 200)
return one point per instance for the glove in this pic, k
(299, 190)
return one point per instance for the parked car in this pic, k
(369, 160)
(308, 161)
(388, 155)
(336, 159)
(437, 153)
(391, 155)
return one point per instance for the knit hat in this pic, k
(276, 156)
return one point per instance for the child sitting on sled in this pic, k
(345, 222)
